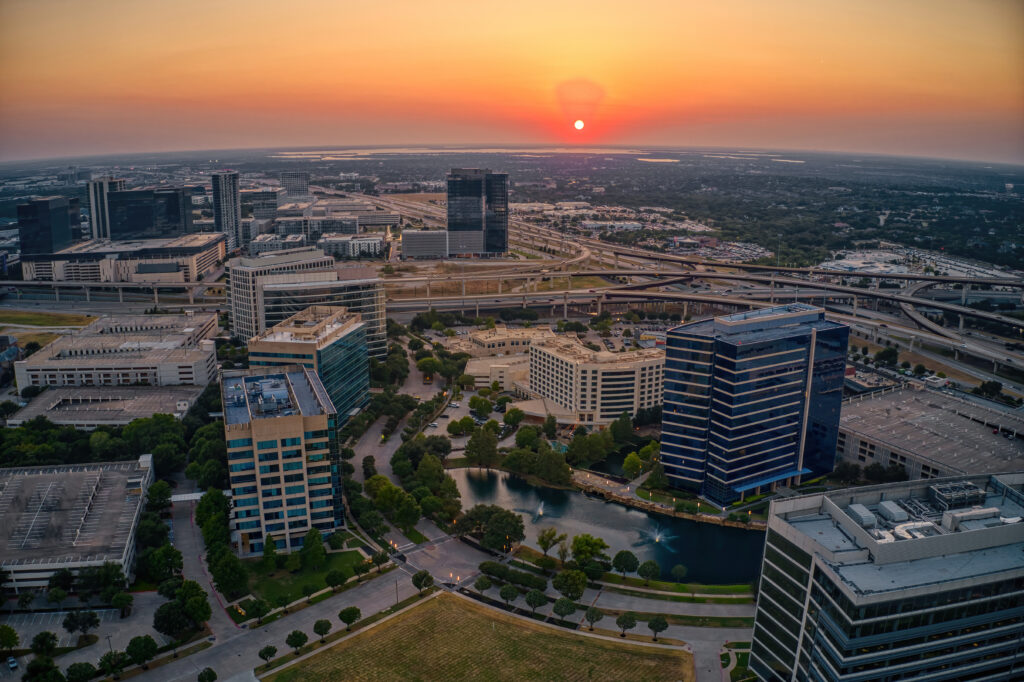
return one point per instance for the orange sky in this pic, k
(923, 77)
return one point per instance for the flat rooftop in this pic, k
(762, 324)
(250, 395)
(65, 514)
(573, 350)
(954, 433)
(502, 333)
(196, 240)
(317, 324)
(89, 405)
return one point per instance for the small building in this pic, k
(73, 517)
(352, 245)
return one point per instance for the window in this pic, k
(267, 444)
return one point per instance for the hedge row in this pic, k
(509, 575)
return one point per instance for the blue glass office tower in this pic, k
(752, 400)
(478, 204)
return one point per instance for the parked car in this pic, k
(12, 663)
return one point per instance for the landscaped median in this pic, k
(448, 637)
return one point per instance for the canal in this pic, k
(711, 553)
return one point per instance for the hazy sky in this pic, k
(921, 77)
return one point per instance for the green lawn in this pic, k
(42, 319)
(270, 586)
(449, 638)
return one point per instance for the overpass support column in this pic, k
(478, 307)
(600, 300)
(463, 287)
(995, 366)
(156, 296)
(565, 306)
(120, 295)
(499, 286)
(855, 306)
(616, 260)
(524, 299)
(86, 289)
(686, 310)
(191, 296)
(56, 293)
(428, 289)
(961, 324)
(963, 294)
(771, 295)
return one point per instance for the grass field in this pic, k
(448, 638)
(41, 319)
(27, 336)
(270, 586)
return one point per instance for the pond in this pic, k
(711, 553)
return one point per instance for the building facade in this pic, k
(424, 244)
(349, 246)
(478, 205)
(280, 426)
(919, 580)
(46, 224)
(227, 207)
(752, 400)
(99, 209)
(148, 213)
(264, 202)
(594, 387)
(329, 340)
(295, 183)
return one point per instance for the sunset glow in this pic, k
(941, 78)
(578, 125)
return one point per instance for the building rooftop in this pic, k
(572, 349)
(69, 514)
(502, 333)
(258, 394)
(283, 257)
(914, 534)
(198, 240)
(952, 432)
(88, 406)
(760, 325)
(317, 324)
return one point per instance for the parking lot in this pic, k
(28, 625)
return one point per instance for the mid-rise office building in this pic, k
(424, 244)
(349, 246)
(148, 213)
(295, 183)
(477, 211)
(280, 426)
(580, 385)
(99, 209)
(129, 350)
(919, 580)
(264, 202)
(69, 517)
(183, 259)
(327, 339)
(47, 224)
(752, 400)
(268, 289)
(227, 208)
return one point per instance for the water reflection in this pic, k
(712, 554)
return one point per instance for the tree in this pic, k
(920, 370)
(657, 624)
(550, 427)
(170, 619)
(267, 653)
(622, 428)
(586, 547)
(62, 578)
(313, 553)
(379, 559)
(258, 608)
(269, 553)
(207, 675)
(56, 596)
(563, 551)
(349, 615)
(334, 580)
(887, 356)
(508, 593)
(649, 570)
(308, 590)
(481, 406)
(571, 584)
(593, 615)
(626, 621)
(679, 572)
(847, 472)
(564, 607)
(158, 497)
(625, 562)
(83, 671)
(482, 584)
(548, 538)
(535, 598)
(632, 466)
(296, 639)
(293, 564)
(514, 416)
(360, 569)
(657, 480)
(422, 580)
(24, 599)
(482, 448)
(321, 628)
(122, 601)
(141, 650)
(44, 644)
(8, 638)
(42, 669)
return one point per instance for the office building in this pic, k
(274, 242)
(295, 183)
(183, 259)
(930, 434)
(69, 517)
(752, 400)
(227, 208)
(129, 350)
(424, 244)
(148, 213)
(327, 339)
(280, 426)
(501, 340)
(46, 224)
(348, 246)
(266, 290)
(583, 386)
(477, 211)
(99, 209)
(920, 580)
(264, 201)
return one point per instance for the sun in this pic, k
(578, 124)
